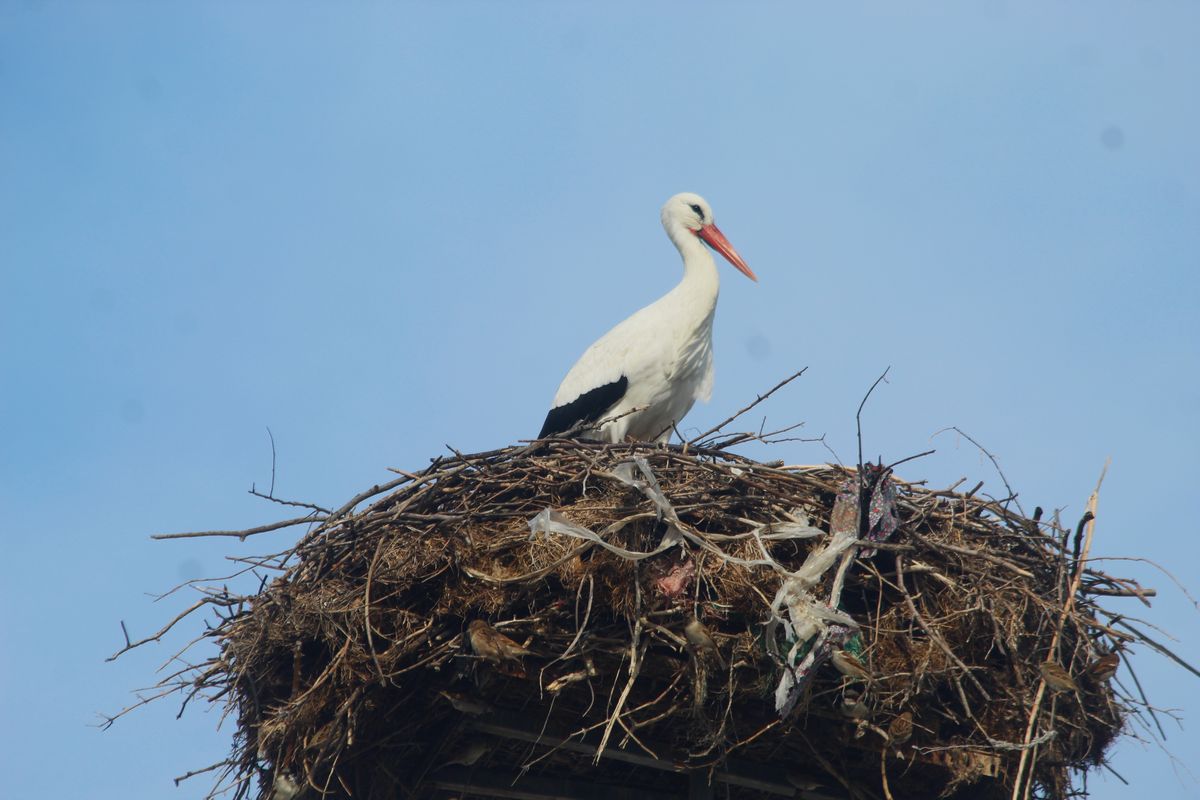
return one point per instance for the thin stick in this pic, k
(906, 459)
(1145, 700)
(858, 421)
(973, 553)
(1166, 651)
(129, 645)
(195, 772)
(940, 642)
(282, 502)
(1137, 592)
(991, 458)
(1069, 603)
(759, 399)
(636, 649)
(274, 526)
(367, 613)
(271, 492)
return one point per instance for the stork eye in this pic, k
(699, 211)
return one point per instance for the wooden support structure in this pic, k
(733, 772)
(516, 786)
(698, 786)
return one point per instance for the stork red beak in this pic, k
(713, 236)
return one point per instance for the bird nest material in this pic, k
(568, 619)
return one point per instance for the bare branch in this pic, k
(696, 439)
(274, 526)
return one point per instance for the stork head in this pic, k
(691, 213)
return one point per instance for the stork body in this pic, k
(649, 370)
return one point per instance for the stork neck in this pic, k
(700, 280)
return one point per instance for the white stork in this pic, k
(649, 370)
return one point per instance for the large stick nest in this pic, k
(352, 672)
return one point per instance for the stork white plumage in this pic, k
(649, 370)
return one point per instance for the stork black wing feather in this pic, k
(588, 407)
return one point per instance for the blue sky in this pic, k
(379, 229)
